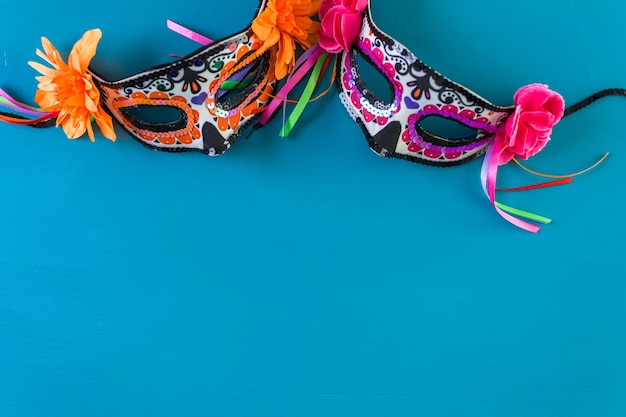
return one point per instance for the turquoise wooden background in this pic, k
(308, 277)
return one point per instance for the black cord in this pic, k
(593, 98)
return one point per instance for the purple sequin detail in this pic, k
(415, 138)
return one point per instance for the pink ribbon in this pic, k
(188, 33)
(23, 109)
(488, 176)
(303, 65)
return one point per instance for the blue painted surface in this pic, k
(308, 277)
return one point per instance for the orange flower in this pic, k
(285, 23)
(67, 89)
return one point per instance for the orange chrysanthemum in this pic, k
(69, 91)
(285, 23)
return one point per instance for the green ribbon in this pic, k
(231, 85)
(524, 214)
(304, 99)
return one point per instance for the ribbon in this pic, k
(24, 114)
(488, 176)
(188, 33)
(306, 96)
(303, 65)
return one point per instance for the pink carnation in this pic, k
(341, 23)
(528, 129)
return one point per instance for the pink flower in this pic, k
(528, 129)
(341, 23)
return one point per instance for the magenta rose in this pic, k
(341, 24)
(528, 129)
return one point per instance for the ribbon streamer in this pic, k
(306, 96)
(22, 114)
(563, 181)
(188, 33)
(488, 176)
(304, 65)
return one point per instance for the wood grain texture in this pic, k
(308, 277)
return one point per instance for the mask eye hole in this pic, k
(238, 87)
(373, 83)
(445, 131)
(155, 118)
(447, 128)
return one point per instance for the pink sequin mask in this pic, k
(395, 128)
